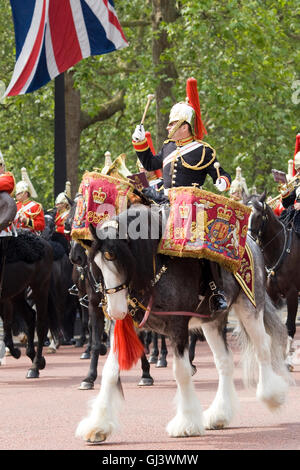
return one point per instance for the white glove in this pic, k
(139, 133)
(221, 184)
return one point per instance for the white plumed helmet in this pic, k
(2, 162)
(22, 186)
(61, 199)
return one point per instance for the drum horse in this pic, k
(168, 290)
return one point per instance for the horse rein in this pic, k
(286, 246)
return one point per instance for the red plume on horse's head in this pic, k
(297, 150)
(193, 100)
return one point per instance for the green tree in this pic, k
(244, 55)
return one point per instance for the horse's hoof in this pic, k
(153, 359)
(97, 438)
(51, 351)
(42, 363)
(32, 374)
(290, 367)
(86, 386)
(145, 382)
(16, 353)
(102, 350)
(162, 362)
(85, 355)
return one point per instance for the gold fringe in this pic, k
(230, 265)
(250, 294)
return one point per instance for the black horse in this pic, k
(280, 246)
(65, 304)
(126, 262)
(26, 263)
(160, 360)
(88, 289)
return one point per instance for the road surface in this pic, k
(42, 414)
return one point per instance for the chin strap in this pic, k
(175, 128)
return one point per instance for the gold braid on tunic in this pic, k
(198, 165)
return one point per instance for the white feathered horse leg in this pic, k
(103, 417)
(189, 419)
(271, 387)
(222, 409)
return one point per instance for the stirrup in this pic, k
(217, 293)
(84, 301)
(73, 290)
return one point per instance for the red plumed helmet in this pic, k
(189, 110)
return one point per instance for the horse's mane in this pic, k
(256, 200)
(135, 257)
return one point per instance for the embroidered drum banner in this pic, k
(100, 197)
(202, 224)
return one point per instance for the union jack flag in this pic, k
(53, 35)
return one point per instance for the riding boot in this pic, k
(217, 299)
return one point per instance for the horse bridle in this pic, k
(257, 238)
(257, 234)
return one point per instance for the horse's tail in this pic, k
(277, 333)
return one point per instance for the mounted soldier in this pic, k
(291, 195)
(30, 214)
(7, 185)
(63, 208)
(186, 160)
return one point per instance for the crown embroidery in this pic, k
(224, 213)
(99, 196)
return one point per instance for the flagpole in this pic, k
(60, 159)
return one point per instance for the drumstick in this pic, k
(150, 97)
(217, 166)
